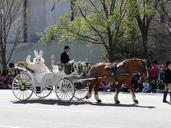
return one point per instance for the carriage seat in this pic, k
(49, 79)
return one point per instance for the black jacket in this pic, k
(167, 75)
(65, 58)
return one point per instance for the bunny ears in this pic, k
(38, 54)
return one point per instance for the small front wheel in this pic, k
(64, 90)
(81, 90)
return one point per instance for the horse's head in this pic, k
(137, 66)
(143, 66)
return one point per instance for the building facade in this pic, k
(42, 13)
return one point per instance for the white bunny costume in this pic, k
(37, 65)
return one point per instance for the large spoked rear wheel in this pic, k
(22, 86)
(81, 90)
(43, 91)
(64, 90)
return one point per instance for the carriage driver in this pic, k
(65, 60)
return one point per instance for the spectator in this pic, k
(4, 79)
(124, 88)
(153, 77)
(153, 72)
(146, 86)
(167, 80)
(137, 82)
(11, 74)
(1, 80)
(105, 86)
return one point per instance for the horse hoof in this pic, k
(99, 101)
(136, 101)
(88, 97)
(117, 102)
(165, 101)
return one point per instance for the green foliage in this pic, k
(142, 8)
(100, 22)
(81, 28)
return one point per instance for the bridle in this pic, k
(144, 67)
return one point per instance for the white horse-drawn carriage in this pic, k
(35, 77)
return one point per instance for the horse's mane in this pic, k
(132, 59)
(121, 62)
(128, 60)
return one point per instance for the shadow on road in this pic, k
(124, 105)
(57, 102)
(169, 103)
(51, 102)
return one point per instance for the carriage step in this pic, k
(38, 90)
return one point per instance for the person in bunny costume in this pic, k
(40, 69)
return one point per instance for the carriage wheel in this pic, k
(81, 90)
(64, 90)
(43, 91)
(22, 86)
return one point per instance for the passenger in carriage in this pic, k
(65, 59)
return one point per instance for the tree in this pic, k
(10, 27)
(159, 30)
(144, 11)
(164, 11)
(73, 2)
(131, 42)
(96, 21)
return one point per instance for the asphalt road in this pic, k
(50, 113)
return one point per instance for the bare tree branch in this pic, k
(112, 6)
(92, 25)
(10, 27)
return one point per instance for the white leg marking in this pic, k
(133, 98)
(116, 97)
(96, 97)
(89, 95)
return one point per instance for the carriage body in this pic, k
(42, 84)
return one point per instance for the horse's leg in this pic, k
(118, 88)
(89, 94)
(131, 89)
(96, 88)
(133, 93)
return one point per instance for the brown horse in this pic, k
(122, 75)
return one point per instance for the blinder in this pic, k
(143, 65)
(113, 68)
